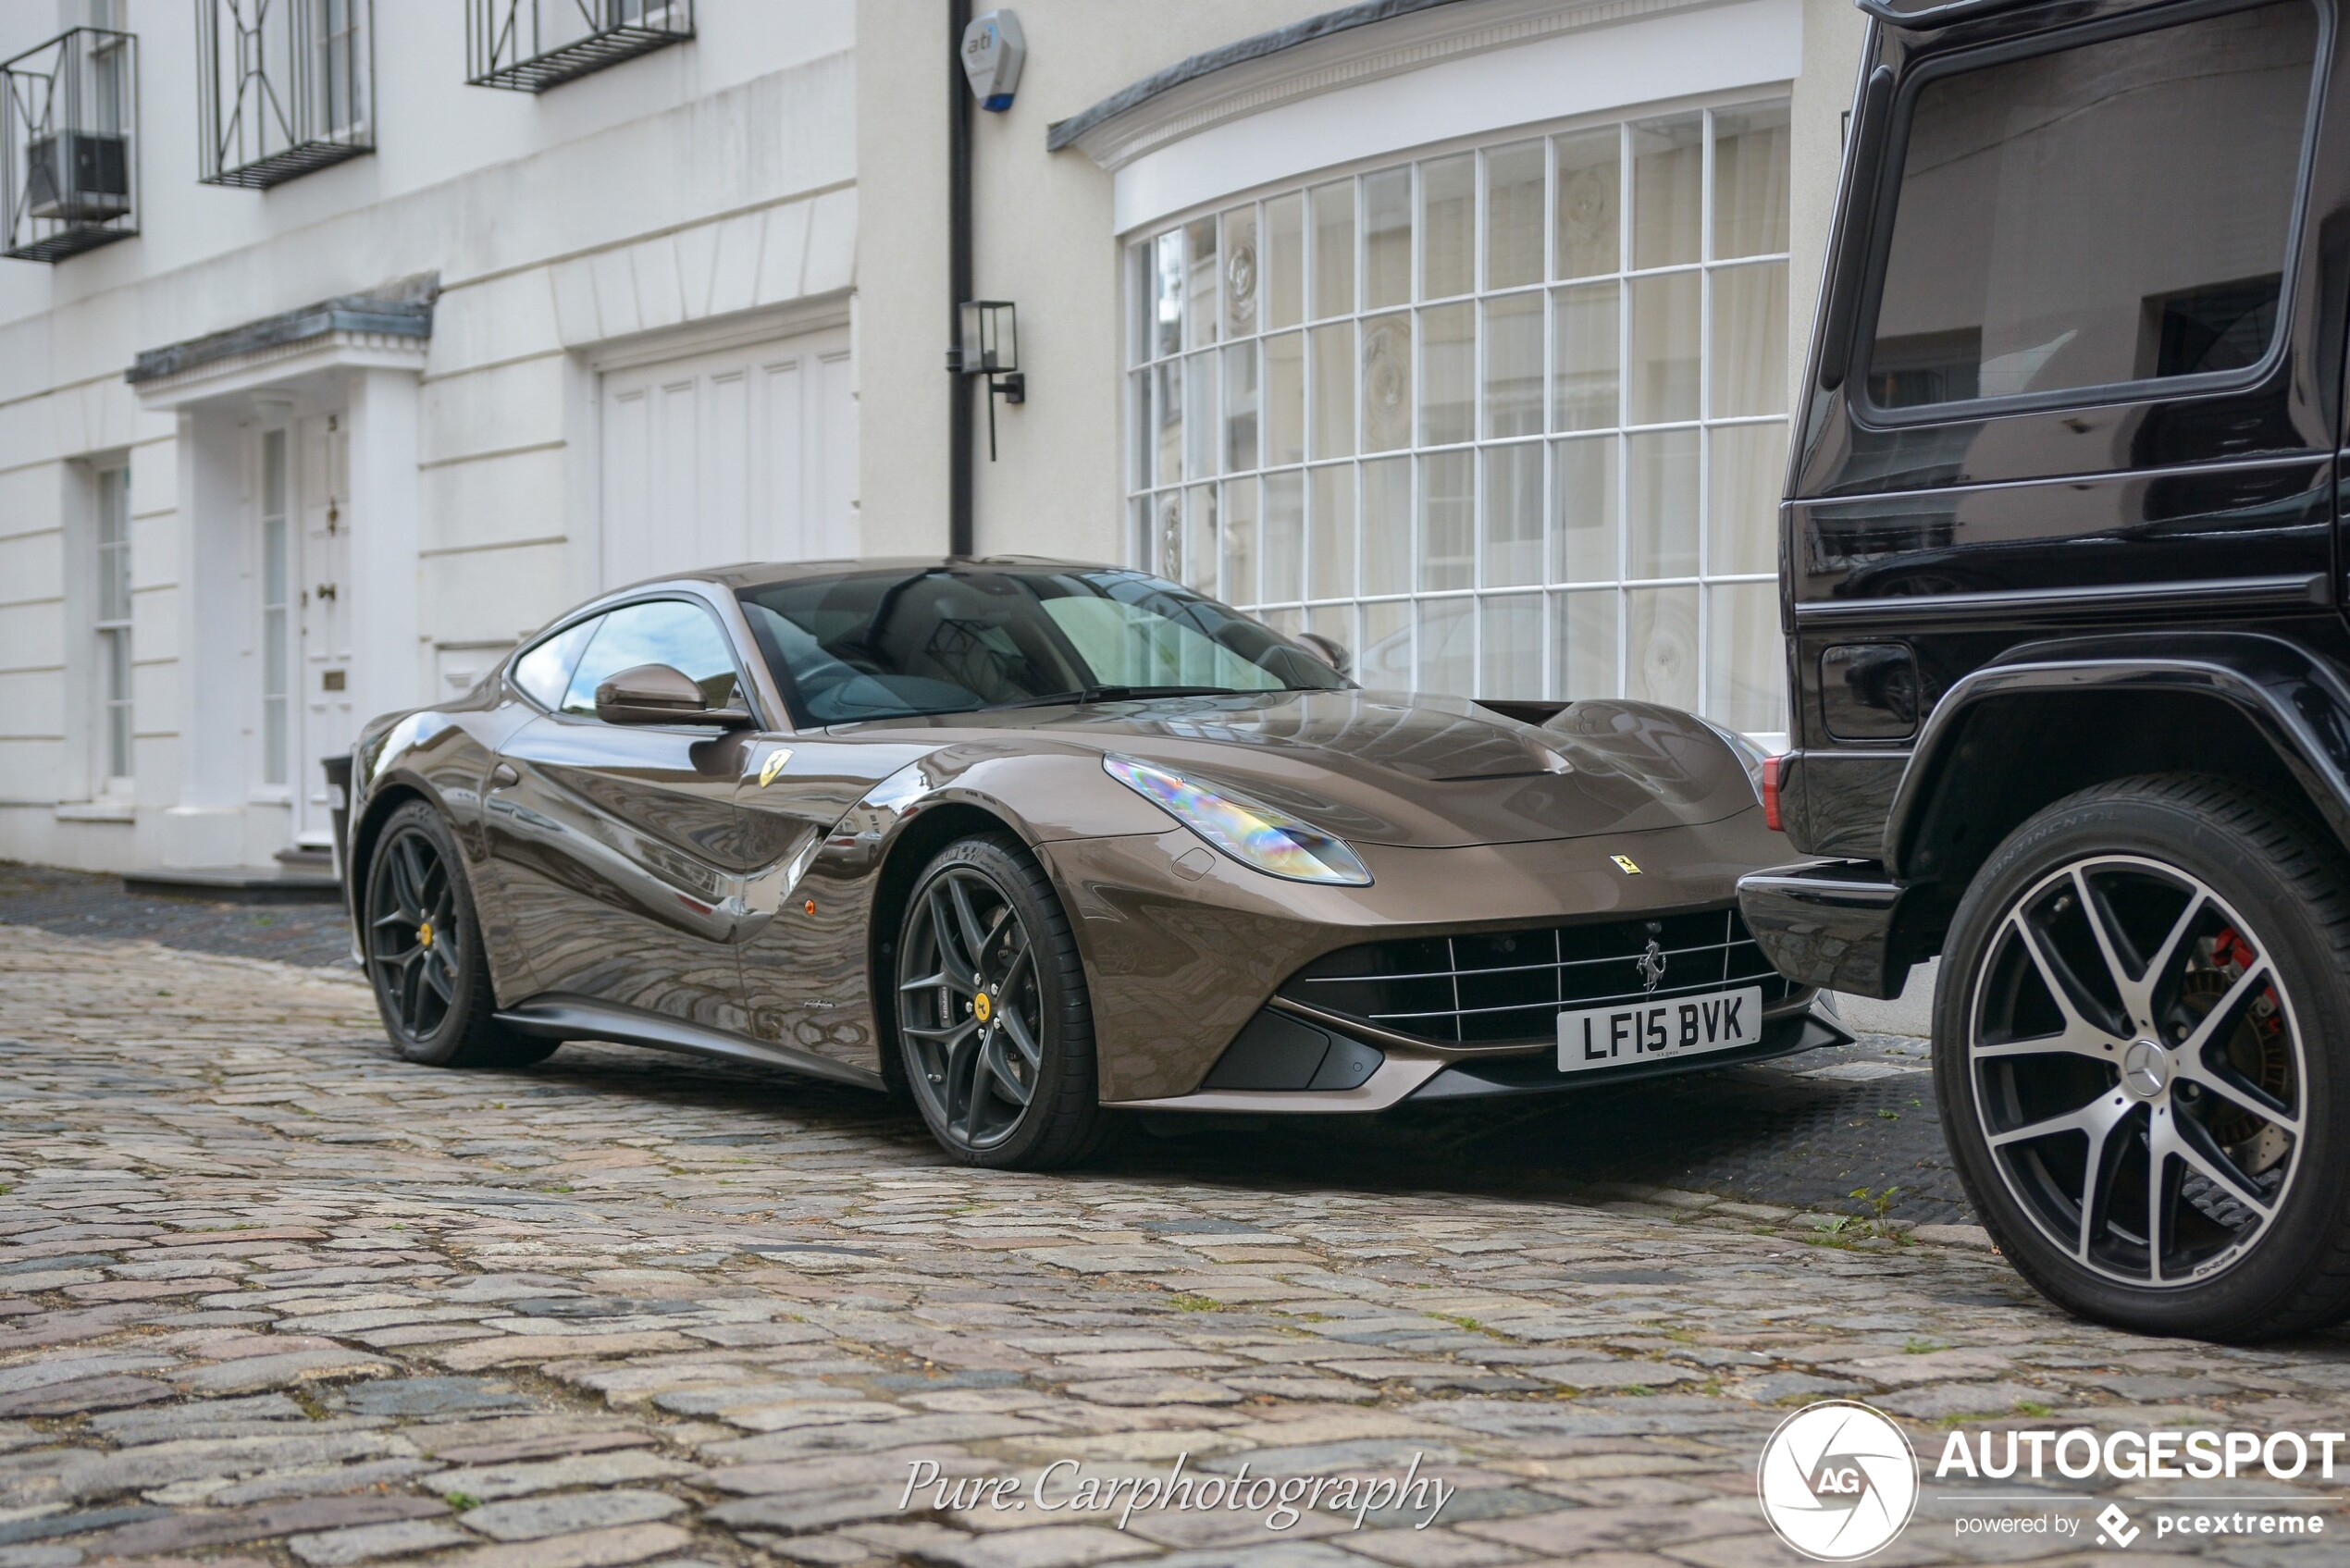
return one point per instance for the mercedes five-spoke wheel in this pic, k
(424, 953)
(995, 1038)
(2130, 1040)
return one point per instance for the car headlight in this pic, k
(1254, 833)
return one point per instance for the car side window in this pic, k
(544, 669)
(2116, 212)
(666, 630)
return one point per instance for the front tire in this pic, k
(2133, 1028)
(993, 1027)
(426, 961)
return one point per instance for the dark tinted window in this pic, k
(873, 645)
(684, 636)
(2111, 213)
(544, 669)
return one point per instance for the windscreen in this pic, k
(894, 644)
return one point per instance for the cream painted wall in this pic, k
(1043, 241)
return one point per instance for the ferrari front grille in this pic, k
(1508, 987)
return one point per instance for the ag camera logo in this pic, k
(1838, 1480)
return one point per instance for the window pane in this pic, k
(273, 652)
(1584, 508)
(1200, 314)
(1285, 399)
(1750, 340)
(1166, 318)
(1284, 285)
(1334, 248)
(114, 506)
(273, 473)
(1661, 496)
(1586, 645)
(1383, 659)
(1145, 429)
(116, 644)
(1166, 535)
(1199, 416)
(1239, 542)
(1167, 400)
(1335, 621)
(273, 740)
(2114, 212)
(1513, 216)
(1240, 272)
(670, 631)
(1664, 348)
(1239, 407)
(1387, 239)
(1747, 464)
(544, 673)
(1584, 377)
(1447, 501)
(1448, 227)
(1330, 510)
(1333, 413)
(1663, 623)
(1668, 157)
(1284, 537)
(1387, 382)
(1448, 647)
(273, 563)
(1448, 368)
(1745, 669)
(1387, 525)
(1751, 181)
(1513, 640)
(1514, 513)
(1591, 174)
(1514, 365)
(1202, 549)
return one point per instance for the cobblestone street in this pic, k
(270, 1295)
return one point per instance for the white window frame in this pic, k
(276, 620)
(114, 664)
(1146, 503)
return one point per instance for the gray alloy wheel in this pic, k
(424, 953)
(992, 1018)
(2138, 1069)
(2132, 1031)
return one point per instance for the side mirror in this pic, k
(656, 694)
(1333, 651)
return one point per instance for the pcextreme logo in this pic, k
(1838, 1480)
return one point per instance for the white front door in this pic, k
(328, 724)
(306, 678)
(740, 454)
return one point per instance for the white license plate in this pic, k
(1655, 1032)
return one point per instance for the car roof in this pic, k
(760, 574)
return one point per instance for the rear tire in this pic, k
(425, 958)
(995, 1030)
(2134, 1035)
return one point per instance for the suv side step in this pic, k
(1831, 923)
(559, 1016)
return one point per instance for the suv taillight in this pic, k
(1770, 795)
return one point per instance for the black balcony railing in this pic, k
(530, 45)
(69, 144)
(282, 87)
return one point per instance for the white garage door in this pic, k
(743, 455)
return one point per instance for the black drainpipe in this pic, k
(959, 280)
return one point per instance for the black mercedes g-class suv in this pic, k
(2063, 584)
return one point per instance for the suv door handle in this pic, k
(502, 775)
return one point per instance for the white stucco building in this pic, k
(1459, 332)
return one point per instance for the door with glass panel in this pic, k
(306, 685)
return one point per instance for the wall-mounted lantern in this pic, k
(990, 346)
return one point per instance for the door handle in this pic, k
(503, 776)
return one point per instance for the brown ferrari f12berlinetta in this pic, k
(1033, 842)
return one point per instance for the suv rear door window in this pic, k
(2118, 212)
